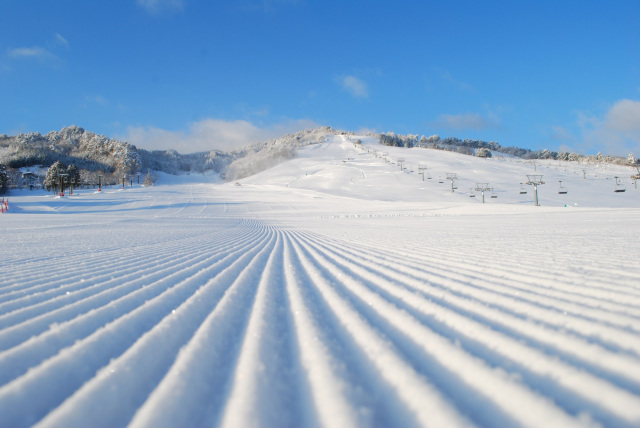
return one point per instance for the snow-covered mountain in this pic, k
(87, 150)
(92, 154)
(96, 155)
(72, 145)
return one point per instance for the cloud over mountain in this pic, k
(210, 134)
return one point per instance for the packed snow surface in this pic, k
(340, 288)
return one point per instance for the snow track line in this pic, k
(102, 264)
(266, 367)
(116, 384)
(493, 294)
(326, 392)
(130, 262)
(437, 358)
(578, 348)
(618, 401)
(402, 385)
(19, 358)
(480, 271)
(142, 282)
(141, 274)
(113, 337)
(478, 263)
(202, 367)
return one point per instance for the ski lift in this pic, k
(493, 195)
(440, 180)
(619, 186)
(471, 194)
(523, 191)
(562, 190)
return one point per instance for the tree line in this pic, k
(484, 149)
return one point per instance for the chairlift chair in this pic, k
(619, 186)
(493, 195)
(471, 194)
(522, 190)
(562, 190)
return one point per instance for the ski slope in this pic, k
(335, 289)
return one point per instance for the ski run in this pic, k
(341, 288)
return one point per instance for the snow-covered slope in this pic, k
(332, 290)
(366, 173)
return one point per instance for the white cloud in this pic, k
(617, 132)
(157, 6)
(472, 121)
(40, 54)
(32, 52)
(356, 87)
(35, 54)
(61, 41)
(210, 134)
(624, 117)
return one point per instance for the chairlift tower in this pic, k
(482, 187)
(451, 177)
(421, 169)
(636, 177)
(400, 162)
(535, 180)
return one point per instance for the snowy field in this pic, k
(335, 290)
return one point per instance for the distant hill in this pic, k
(95, 154)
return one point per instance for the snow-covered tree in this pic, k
(483, 152)
(52, 179)
(632, 159)
(147, 180)
(74, 175)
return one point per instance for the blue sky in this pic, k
(195, 75)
